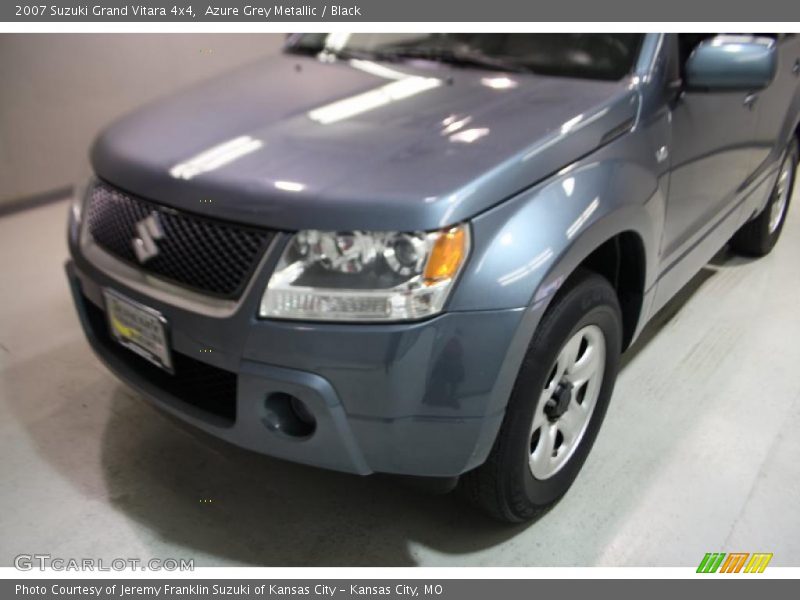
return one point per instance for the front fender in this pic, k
(524, 248)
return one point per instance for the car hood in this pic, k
(293, 142)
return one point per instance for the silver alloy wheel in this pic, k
(782, 190)
(567, 402)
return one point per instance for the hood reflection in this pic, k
(381, 96)
(216, 157)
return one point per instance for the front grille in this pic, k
(201, 385)
(207, 255)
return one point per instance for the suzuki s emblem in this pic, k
(149, 230)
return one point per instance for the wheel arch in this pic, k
(621, 260)
(797, 132)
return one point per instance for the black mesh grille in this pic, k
(204, 254)
(204, 386)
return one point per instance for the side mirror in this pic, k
(732, 62)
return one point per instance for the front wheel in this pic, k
(758, 236)
(557, 405)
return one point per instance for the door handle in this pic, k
(796, 68)
(750, 101)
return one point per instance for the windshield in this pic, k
(609, 56)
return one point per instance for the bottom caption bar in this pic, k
(445, 589)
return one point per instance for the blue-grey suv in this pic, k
(423, 254)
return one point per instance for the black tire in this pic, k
(756, 238)
(504, 486)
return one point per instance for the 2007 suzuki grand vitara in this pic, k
(423, 254)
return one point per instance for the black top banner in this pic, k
(401, 11)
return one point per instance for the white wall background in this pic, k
(58, 90)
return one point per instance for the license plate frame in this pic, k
(139, 328)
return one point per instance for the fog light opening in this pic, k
(289, 415)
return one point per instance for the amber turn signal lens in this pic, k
(449, 251)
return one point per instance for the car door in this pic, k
(774, 102)
(712, 153)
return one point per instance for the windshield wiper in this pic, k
(462, 56)
(340, 53)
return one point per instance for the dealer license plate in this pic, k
(139, 328)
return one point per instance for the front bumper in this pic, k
(423, 398)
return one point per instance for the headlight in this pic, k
(84, 182)
(365, 276)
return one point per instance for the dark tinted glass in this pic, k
(591, 55)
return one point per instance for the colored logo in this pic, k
(734, 562)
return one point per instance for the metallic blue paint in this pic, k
(545, 171)
(732, 63)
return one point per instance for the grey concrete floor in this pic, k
(699, 451)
